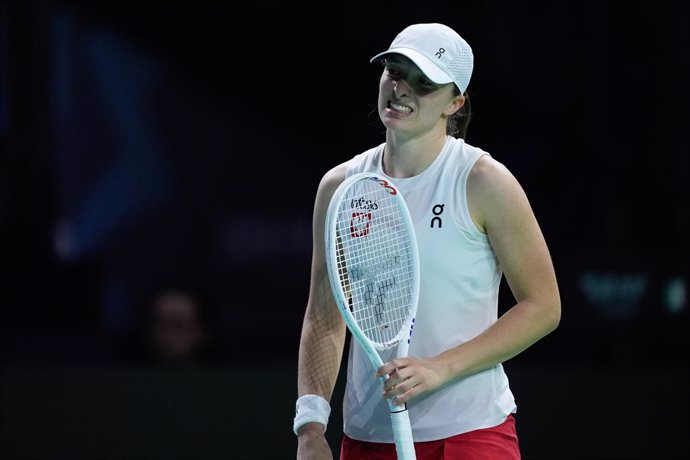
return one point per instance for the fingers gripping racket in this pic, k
(373, 267)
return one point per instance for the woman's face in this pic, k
(410, 102)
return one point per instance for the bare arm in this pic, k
(323, 329)
(503, 211)
(499, 207)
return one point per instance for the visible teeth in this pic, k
(400, 108)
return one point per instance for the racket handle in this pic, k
(402, 432)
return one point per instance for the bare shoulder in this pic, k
(492, 189)
(488, 173)
(332, 179)
(327, 185)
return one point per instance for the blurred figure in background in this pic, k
(177, 334)
(173, 331)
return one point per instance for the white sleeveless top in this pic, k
(458, 300)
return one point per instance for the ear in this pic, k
(455, 105)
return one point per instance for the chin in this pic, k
(393, 123)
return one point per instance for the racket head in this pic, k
(372, 260)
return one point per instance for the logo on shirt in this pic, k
(437, 210)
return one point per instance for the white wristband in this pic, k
(311, 408)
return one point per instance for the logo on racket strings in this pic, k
(359, 224)
(363, 203)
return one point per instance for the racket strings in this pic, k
(375, 261)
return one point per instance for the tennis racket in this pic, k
(373, 268)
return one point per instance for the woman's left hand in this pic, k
(409, 377)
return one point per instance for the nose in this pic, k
(400, 88)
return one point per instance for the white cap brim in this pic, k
(428, 67)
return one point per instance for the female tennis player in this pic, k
(474, 225)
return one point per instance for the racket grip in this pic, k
(402, 432)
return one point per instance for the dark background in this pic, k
(144, 146)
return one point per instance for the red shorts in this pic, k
(496, 443)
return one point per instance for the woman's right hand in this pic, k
(312, 444)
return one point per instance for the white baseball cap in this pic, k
(438, 51)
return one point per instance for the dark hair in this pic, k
(457, 124)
